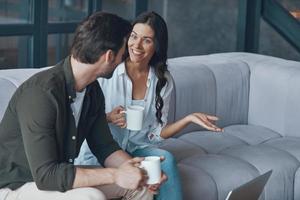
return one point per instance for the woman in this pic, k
(143, 79)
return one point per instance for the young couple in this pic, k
(143, 79)
(53, 112)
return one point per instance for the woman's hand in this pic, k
(117, 117)
(204, 120)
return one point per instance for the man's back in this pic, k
(39, 137)
(14, 168)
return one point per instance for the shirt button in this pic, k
(70, 160)
(73, 113)
(73, 137)
(70, 97)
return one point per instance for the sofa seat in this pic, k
(287, 144)
(229, 159)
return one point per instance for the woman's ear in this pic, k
(109, 56)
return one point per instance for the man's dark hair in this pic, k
(98, 33)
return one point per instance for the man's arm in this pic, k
(99, 176)
(117, 158)
(127, 175)
(85, 177)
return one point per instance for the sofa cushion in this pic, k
(274, 98)
(263, 158)
(8, 89)
(251, 134)
(287, 144)
(211, 142)
(195, 179)
(226, 172)
(297, 185)
(181, 149)
(210, 86)
(10, 79)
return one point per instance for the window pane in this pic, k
(15, 52)
(123, 8)
(67, 10)
(58, 47)
(16, 11)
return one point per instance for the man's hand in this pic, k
(117, 117)
(155, 187)
(129, 176)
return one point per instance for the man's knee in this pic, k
(142, 194)
(87, 193)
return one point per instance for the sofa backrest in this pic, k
(274, 99)
(219, 84)
(215, 86)
(10, 79)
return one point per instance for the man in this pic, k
(51, 114)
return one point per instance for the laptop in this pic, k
(250, 190)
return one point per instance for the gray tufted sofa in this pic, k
(258, 101)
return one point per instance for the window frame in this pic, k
(40, 29)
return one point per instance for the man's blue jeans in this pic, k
(171, 189)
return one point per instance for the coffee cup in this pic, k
(151, 165)
(134, 117)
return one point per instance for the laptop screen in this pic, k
(250, 190)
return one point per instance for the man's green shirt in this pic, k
(38, 136)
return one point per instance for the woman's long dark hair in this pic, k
(159, 58)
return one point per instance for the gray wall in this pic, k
(199, 27)
(271, 43)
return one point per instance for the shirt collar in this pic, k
(122, 70)
(70, 81)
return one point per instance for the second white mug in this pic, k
(151, 165)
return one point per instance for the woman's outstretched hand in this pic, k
(204, 120)
(117, 117)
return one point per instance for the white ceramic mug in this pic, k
(134, 117)
(151, 165)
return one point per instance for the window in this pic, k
(123, 8)
(59, 46)
(293, 6)
(16, 12)
(38, 33)
(15, 51)
(67, 10)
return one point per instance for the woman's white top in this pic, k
(118, 91)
